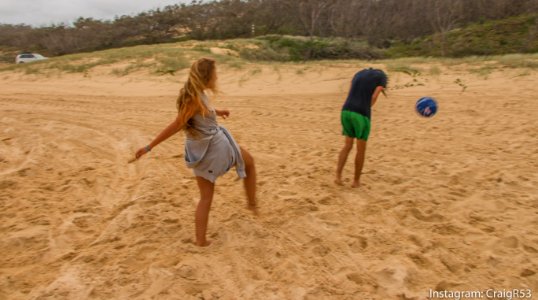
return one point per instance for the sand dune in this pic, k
(446, 203)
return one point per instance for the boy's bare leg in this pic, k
(250, 180)
(359, 162)
(207, 189)
(342, 159)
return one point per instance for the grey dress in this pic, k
(211, 150)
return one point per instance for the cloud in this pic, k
(42, 13)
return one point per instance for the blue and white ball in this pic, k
(426, 107)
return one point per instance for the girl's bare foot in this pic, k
(355, 184)
(203, 244)
(338, 181)
(253, 209)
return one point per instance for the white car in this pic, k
(28, 57)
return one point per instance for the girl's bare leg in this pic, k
(207, 189)
(359, 162)
(342, 159)
(250, 180)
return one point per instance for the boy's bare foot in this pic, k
(338, 181)
(203, 244)
(355, 184)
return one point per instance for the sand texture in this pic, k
(448, 203)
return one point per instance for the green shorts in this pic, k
(355, 125)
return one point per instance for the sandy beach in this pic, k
(447, 203)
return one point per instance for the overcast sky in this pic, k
(46, 12)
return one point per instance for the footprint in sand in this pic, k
(451, 264)
(358, 244)
(187, 272)
(447, 229)
(321, 250)
(509, 242)
(426, 218)
(530, 249)
(446, 286)
(6, 184)
(363, 281)
(326, 200)
(419, 260)
(317, 248)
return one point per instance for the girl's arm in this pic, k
(169, 131)
(377, 91)
(224, 113)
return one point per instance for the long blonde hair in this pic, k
(189, 101)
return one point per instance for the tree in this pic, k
(379, 21)
(445, 14)
(310, 12)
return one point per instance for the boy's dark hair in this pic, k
(381, 79)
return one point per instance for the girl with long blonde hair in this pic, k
(210, 149)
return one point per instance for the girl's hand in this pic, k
(224, 113)
(140, 153)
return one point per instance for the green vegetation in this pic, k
(8, 54)
(484, 70)
(461, 84)
(434, 71)
(365, 29)
(169, 58)
(519, 61)
(292, 48)
(163, 59)
(512, 35)
(159, 59)
(403, 68)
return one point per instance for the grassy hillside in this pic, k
(162, 59)
(290, 48)
(158, 59)
(8, 54)
(512, 35)
(172, 57)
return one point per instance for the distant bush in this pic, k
(293, 48)
(409, 70)
(511, 35)
(7, 55)
(171, 64)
